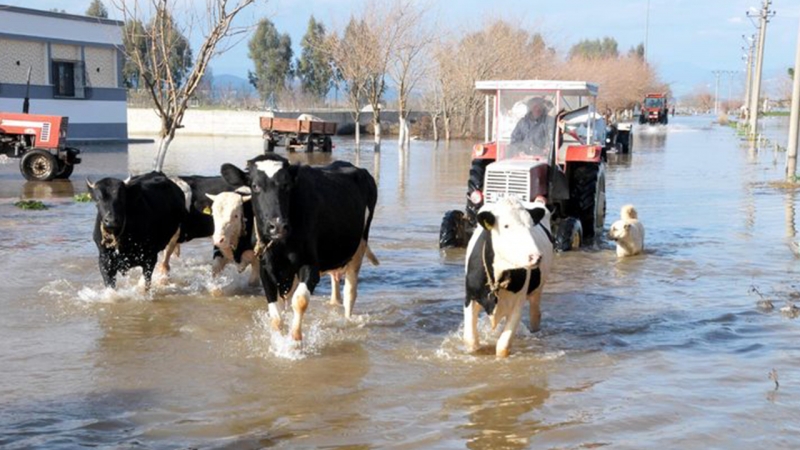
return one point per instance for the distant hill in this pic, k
(225, 81)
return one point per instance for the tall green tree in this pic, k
(97, 9)
(314, 66)
(595, 49)
(271, 53)
(135, 41)
(637, 51)
(173, 60)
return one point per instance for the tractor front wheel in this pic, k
(569, 235)
(588, 198)
(64, 170)
(453, 231)
(475, 183)
(38, 165)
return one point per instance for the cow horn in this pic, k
(89, 183)
(244, 190)
(128, 180)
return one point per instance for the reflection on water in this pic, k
(667, 347)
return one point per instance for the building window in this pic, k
(68, 79)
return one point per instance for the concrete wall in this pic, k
(236, 123)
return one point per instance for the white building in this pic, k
(76, 70)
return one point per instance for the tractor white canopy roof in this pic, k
(566, 87)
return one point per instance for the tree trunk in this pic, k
(163, 146)
(358, 128)
(446, 119)
(402, 132)
(376, 124)
(435, 128)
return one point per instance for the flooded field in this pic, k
(669, 349)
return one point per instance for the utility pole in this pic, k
(750, 41)
(646, 31)
(716, 73)
(764, 15)
(794, 117)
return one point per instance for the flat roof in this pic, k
(490, 87)
(39, 12)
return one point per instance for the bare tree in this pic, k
(409, 63)
(349, 53)
(171, 96)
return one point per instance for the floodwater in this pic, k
(668, 349)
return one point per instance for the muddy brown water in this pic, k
(668, 349)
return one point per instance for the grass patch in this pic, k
(83, 198)
(776, 113)
(34, 205)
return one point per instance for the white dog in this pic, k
(628, 233)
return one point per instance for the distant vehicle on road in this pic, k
(654, 109)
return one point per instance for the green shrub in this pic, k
(30, 204)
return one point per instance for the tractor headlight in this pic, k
(476, 197)
(478, 150)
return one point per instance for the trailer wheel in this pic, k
(38, 165)
(475, 182)
(269, 145)
(64, 170)
(327, 145)
(588, 198)
(453, 231)
(310, 145)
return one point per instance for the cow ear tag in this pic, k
(207, 210)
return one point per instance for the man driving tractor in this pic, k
(531, 132)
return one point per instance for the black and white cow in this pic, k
(508, 260)
(198, 222)
(135, 220)
(310, 220)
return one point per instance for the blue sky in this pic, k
(687, 39)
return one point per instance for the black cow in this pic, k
(135, 220)
(309, 220)
(199, 222)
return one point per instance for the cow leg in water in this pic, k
(218, 262)
(308, 277)
(171, 248)
(351, 278)
(512, 322)
(108, 268)
(148, 267)
(271, 292)
(255, 267)
(336, 294)
(535, 312)
(471, 326)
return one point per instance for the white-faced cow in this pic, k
(135, 221)
(198, 222)
(310, 220)
(233, 233)
(508, 259)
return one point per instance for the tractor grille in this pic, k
(46, 132)
(504, 183)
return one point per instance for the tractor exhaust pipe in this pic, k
(26, 104)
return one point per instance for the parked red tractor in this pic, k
(564, 161)
(40, 142)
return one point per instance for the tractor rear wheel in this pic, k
(475, 183)
(38, 165)
(64, 170)
(588, 198)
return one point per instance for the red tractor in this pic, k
(547, 140)
(40, 142)
(654, 110)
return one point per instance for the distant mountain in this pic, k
(232, 81)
